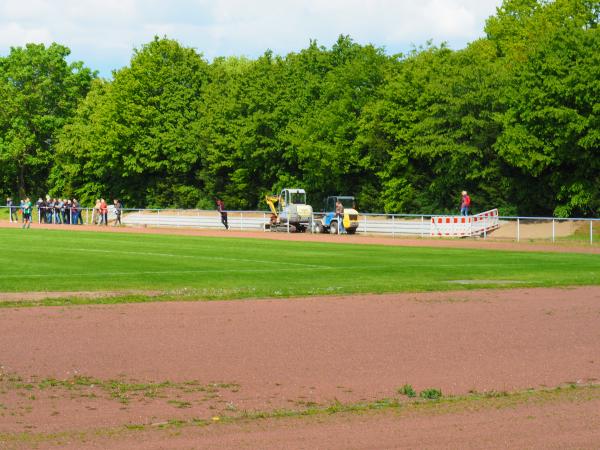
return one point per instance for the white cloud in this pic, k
(103, 33)
(15, 35)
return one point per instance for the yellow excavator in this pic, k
(289, 211)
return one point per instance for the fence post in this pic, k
(393, 227)
(365, 223)
(264, 222)
(518, 230)
(591, 233)
(553, 231)
(422, 225)
(485, 227)
(241, 221)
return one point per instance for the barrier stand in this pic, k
(484, 227)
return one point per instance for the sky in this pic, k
(103, 33)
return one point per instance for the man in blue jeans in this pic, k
(339, 213)
(465, 204)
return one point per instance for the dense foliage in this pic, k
(513, 118)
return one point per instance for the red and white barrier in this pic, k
(464, 226)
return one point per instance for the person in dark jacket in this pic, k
(118, 210)
(221, 209)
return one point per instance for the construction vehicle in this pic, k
(289, 211)
(329, 222)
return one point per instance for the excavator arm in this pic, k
(272, 200)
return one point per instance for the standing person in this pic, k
(465, 204)
(49, 210)
(221, 209)
(59, 209)
(339, 213)
(12, 210)
(118, 209)
(77, 206)
(96, 212)
(74, 212)
(27, 213)
(56, 211)
(38, 205)
(63, 209)
(103, 212)
(67, 203)
(42, 211)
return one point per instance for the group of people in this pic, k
(25, 207)
(62, 211)
(100, 212)
(59, 211)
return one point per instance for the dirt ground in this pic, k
(145, 375)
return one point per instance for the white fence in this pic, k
(487, 225)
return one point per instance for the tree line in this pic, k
(513, 118)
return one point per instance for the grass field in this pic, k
(203, 267)
(217, 268)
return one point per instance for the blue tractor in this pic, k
(329, 222)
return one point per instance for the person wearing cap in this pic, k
(465, 204)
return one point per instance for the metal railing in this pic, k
(512, 228)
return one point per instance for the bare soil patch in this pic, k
(88, 368)
(560, 425)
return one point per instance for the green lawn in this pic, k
(200, 267)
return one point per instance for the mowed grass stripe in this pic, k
(57, 260)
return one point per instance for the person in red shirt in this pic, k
(465, 204)
(103, 212)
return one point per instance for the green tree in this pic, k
(40, 92)
(550, 137)
(132, 137)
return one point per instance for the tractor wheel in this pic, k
(333, 227)
(350, 230)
